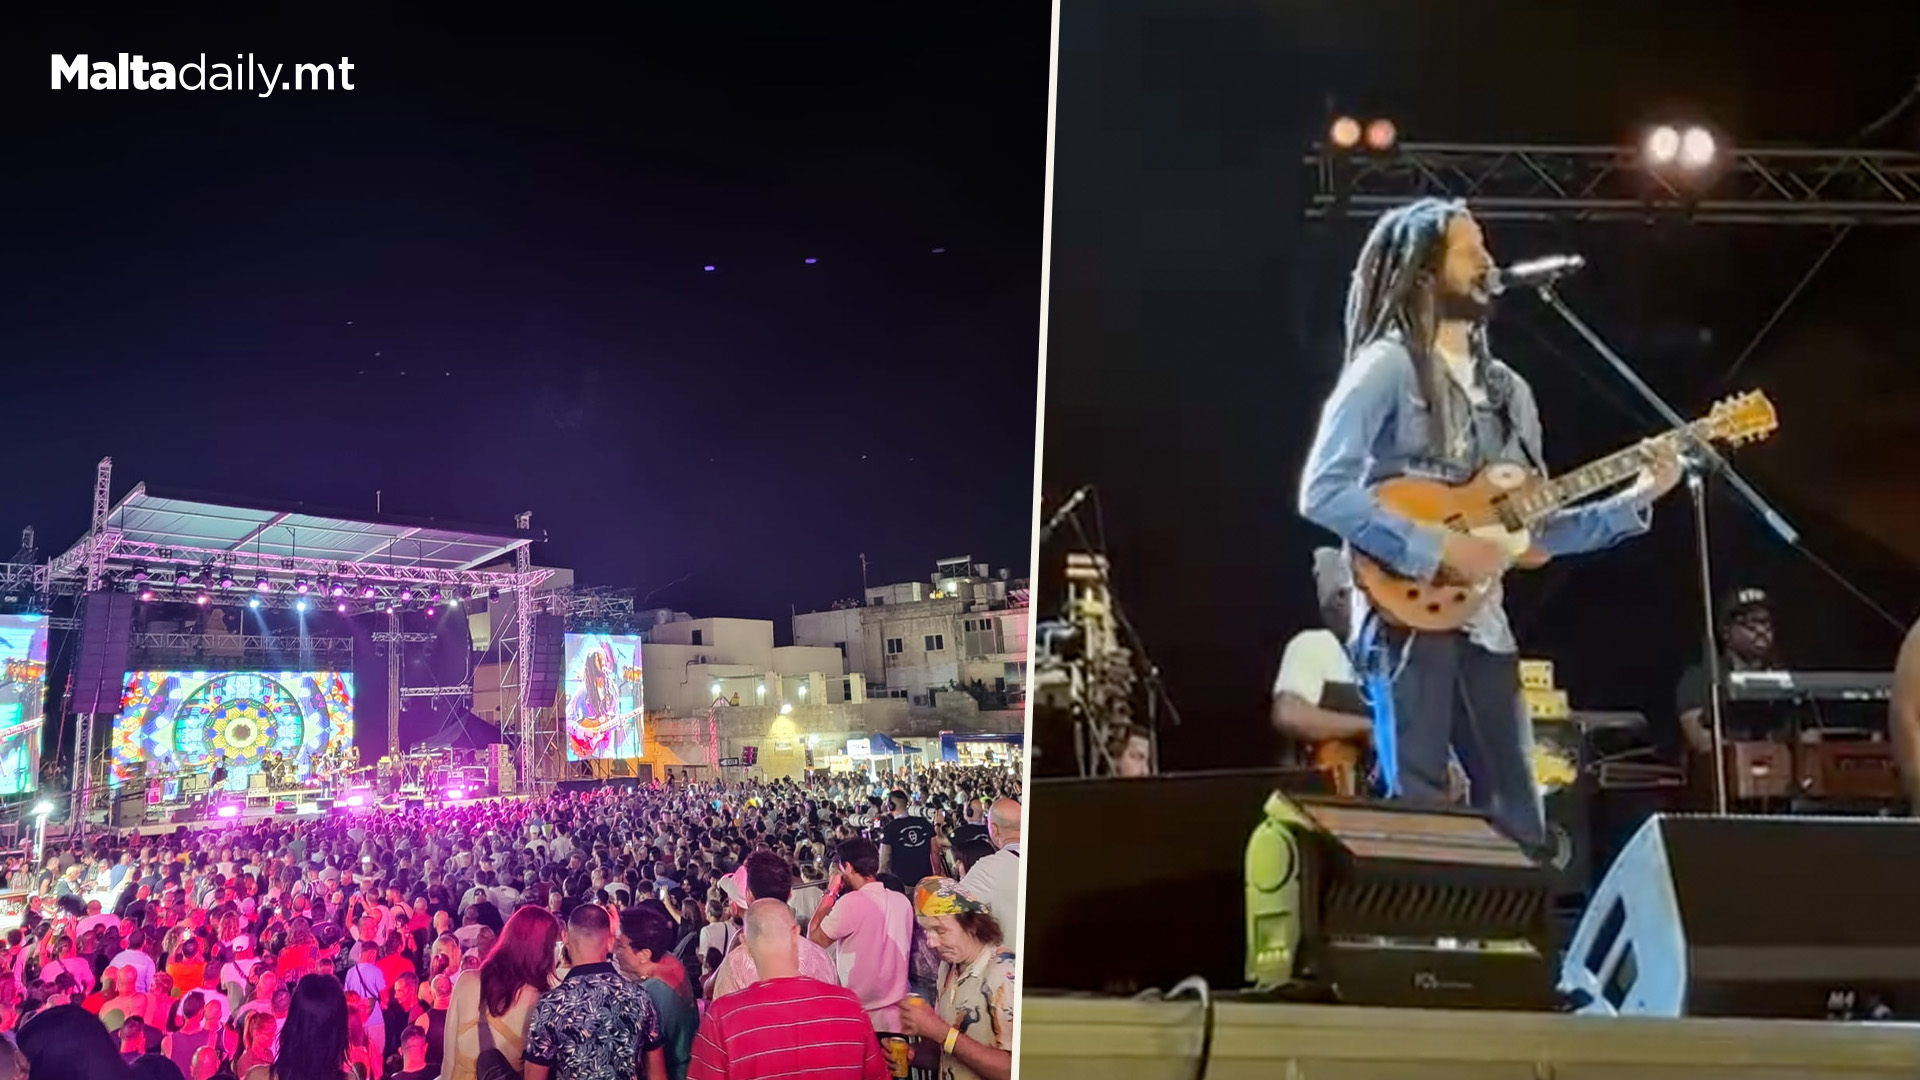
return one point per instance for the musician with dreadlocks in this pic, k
(1421, 394)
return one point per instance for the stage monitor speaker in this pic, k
(1141, 883)
(1404, 905)
(1759, 917)
(546, 660)
(100, 667)
(129, 809)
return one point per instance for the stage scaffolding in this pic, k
(177, 546)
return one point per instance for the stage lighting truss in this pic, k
(1515, 182)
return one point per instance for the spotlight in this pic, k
(1663, 145)
(253, 602)
(228, 811)
(140, 574)
(203, 599)
(455, 602)
(368, 592)
(300, 606)
(337, 590)
(356, 800)
(1696, 148)
(322, 582)
(146, 594)
(261, 583)
(180, 579)
(430, 610)
(456, 793)
(341, 607)
(1381, 135)
(493, 594)
(406, 596)
(811, 260)
(435, 594)
(300, 585)
(226, 581)
(1345, 133)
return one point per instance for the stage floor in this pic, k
(1066, 1038)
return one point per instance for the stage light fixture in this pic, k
(140, 574)
(1663, 145)
(406, 596)
(253, 602)
(203, 599)
(341, 607)
(181, 578)
(493, 593)
(337, 590)
(1381, 135)
(435, 595)
(1345, 133)
(430, 611)
(455, 602)
(300, 606)
(146, 594)
(261, 583)
(226, 581)
(368, 592)
(300, 585)
(1696, 148)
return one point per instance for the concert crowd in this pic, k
(703, 930)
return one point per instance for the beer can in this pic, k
(899, 1056)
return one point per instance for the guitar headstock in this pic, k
(1740, 419)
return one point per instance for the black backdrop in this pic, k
(1193, 328)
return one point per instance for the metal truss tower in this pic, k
(1520, 182)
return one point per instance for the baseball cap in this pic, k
(1741, 601)
(735, 886)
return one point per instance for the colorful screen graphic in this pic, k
(23, 700)
(186, 721)
(606, 703)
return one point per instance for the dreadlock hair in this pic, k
(1392, 295)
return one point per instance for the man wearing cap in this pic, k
(1746, 644)
(764, 876)
(1316, 695)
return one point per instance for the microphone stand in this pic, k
(1702, 460)
(1156, 689)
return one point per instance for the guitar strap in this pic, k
(1375, 667)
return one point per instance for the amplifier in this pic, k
(1848, 769)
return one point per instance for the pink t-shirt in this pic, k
(814, 964)
(872, 932)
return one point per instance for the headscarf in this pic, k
(937, 896)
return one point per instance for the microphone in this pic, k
(1535, 272)
(1073, 502)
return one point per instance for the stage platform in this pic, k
(1087, 1038)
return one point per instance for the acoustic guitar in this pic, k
(1505, 500)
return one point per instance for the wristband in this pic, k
(953, 1036)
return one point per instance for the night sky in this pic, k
(475, 284)
(1194, 319)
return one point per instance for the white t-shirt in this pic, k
(1313, 659)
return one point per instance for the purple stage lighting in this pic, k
(300, 585)
(261, 583)
(455, 793)
(406, 595)
(369, 592)
(811, 260)
(708, 269)
(356, 800)
(341, 607)
(430, 610)
(203, 599)
(180, 579)
(229, 811)
(146, 594)
(226, 581)
(140, 574)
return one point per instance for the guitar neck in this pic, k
(1587, 480)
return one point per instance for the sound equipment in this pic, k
(546, 659)
(1829, 765)
(1504, 500)
(100, 668)
(129, 809)
(1139, 883)
(1763, 917)
(1408, 906)
(1809, 685)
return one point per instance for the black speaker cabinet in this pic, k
(1141, 883)
(1764, 917)
(546, 660)
(100, 668)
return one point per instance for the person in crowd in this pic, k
(996, 878)
(906, 844)
(975, 989)
(413, 1056)
(871, 930)
(314, 1040)
(597, 1024)
(785, 1024)
(765, 876)
(643, 952)
(501, 994)
(66, 1042)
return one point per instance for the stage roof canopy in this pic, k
(171, 519)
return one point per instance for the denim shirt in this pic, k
(1374, 427)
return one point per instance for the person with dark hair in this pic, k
(597, 1024)
(643, 951)
(413, 1057)
(870, 928)
(501, 993)
(1421, 393)
(313, 1042)
(765, 876)
(906, 844)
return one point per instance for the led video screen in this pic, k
(23, 700)
(606, 702)
(174, 722)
